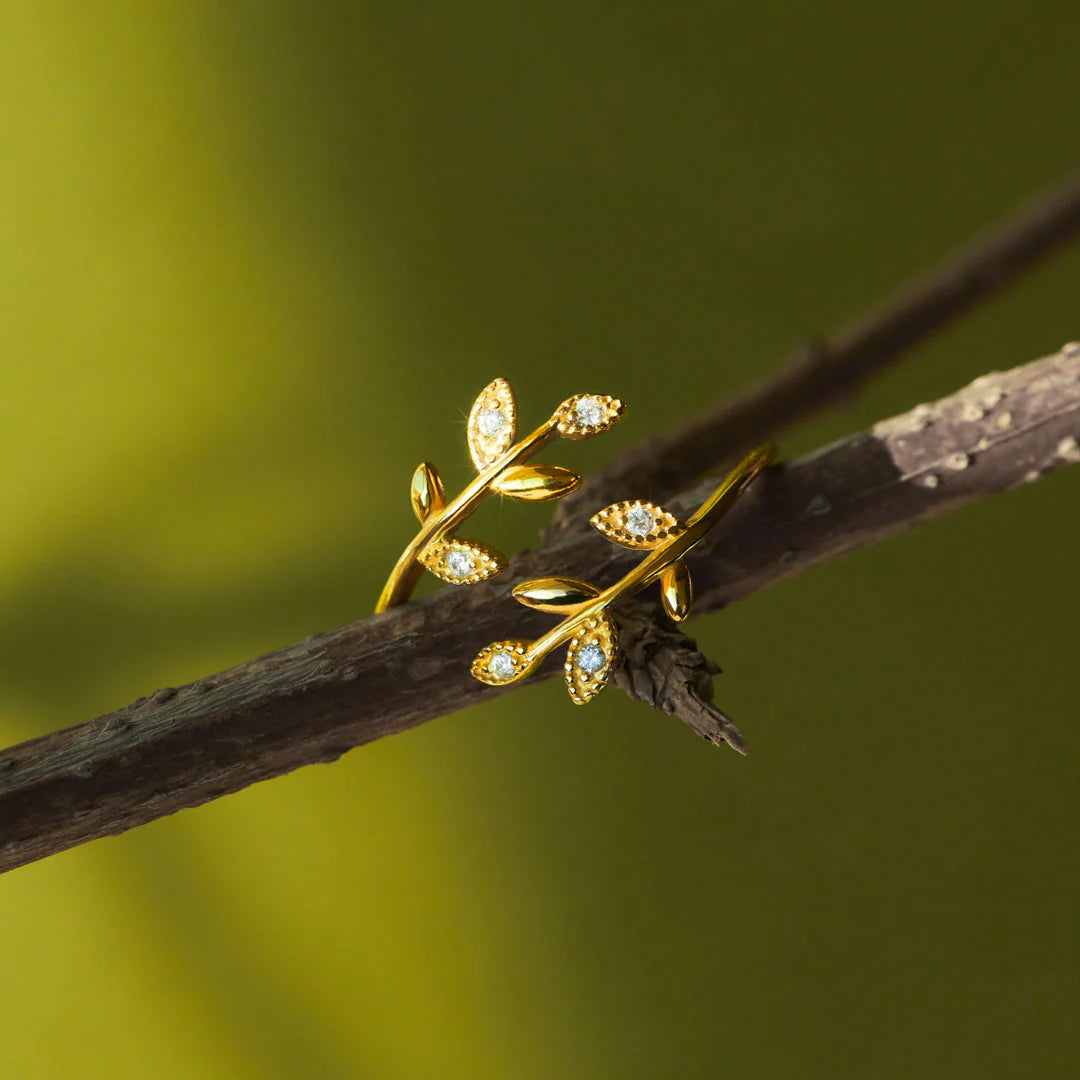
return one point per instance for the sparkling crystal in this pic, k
(590, 659)
(640, 521)
(589, 411)
(490, 421)
(501, 664)
(459, 564)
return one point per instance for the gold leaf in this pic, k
(427, 493)
(636, 524)
(501, 662)
(555, 595)
(537, 483)
(591, 658)
(586, 415)
(492, 423)
(462, 562)
(676, 590)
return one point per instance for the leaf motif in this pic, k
(462, 562)
(501, 662)
(492, 423)
(555, 595)
(536, 483)
(591, 658)
(676, 590)
(427, 492)
(636, 524)
(586, 415)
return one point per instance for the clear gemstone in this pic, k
(640, 521)
(490, 421)
(590, 659)
(589, 411)
(459, 564)
(501, 665)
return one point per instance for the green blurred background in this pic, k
(256, 259)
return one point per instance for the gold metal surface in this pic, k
(586, 415)
(491, 430)
(636, 524)
(487, 439)
(427, 491)
(555, 595)
(462, 562)
(676, 590)
(536, 483)
(587, 622)
(597, 636)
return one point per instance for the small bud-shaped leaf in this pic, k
(537, 483)
(636, 524)
(555, 595)
(492, 423)
(501, 662)
(428, 495)
(676, 590)
(585, 415)
(462, 562)
(591, 657)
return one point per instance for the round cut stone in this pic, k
(490, 421)
(640, 521)
(501, 664)
(459, 564)
(589, 411)
(590, 659)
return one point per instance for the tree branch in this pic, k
(821, 375)
(312, 701)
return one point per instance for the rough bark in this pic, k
(314, 700)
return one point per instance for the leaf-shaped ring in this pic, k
(587, 625)
(491, 431)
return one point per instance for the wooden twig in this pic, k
(661, 666)
(820, 375)
(312, 701)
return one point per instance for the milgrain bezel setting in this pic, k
(582, 679)
(496, 399)
(575, 416)
(483, 670)
(617, 523)
(443, 558)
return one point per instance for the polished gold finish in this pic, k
(491, 431)
(555, 595)
(676, 591)
(428, 495)
(587, 626)
(536, 483)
